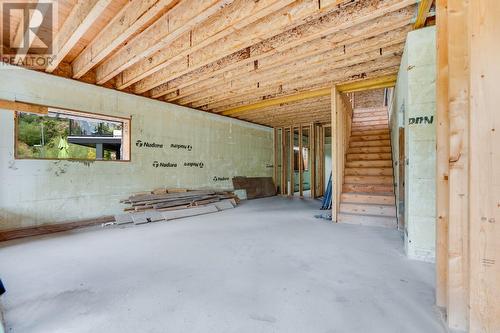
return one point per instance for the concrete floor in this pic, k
(267, 266)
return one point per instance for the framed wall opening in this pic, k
(71, 135)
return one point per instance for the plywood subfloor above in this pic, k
(217, 55)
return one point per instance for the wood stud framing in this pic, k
(301, 163)
(341, 131)
(291, 191)
(312, 140)
(283, 161)
(467, 244)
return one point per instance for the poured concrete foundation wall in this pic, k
(415, 108)
(35, 192)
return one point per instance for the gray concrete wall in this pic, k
(35, 192)
(414, 108)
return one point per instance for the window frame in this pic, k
(126, 133)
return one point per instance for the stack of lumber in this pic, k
(171, 204)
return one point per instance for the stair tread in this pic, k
(368, 220)
(366, 204)
(371, 194)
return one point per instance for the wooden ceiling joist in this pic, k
(180, 19)
(131, 19)
(164, 67)
(235, 16)
(280, 51)
(81, 18)
(308, 82)
(288, 73)
(337, 20)
(278, 63)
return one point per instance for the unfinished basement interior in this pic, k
(249, 166)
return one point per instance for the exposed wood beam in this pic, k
(302, 114)
(375, 83)
(311, 107)
(229, 19)
(278, 65)
(302, 88)
(277, 101)
(423, 12)
(308, 81)
(131, 19)
(23, 107)
(276, 52)
(324, 63)
(180, 19)
(83, 15)
(241, 36)
(337, 20)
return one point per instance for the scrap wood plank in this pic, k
(178, 214)
(139, 218)
(173, 208)
(136, 198)
(176, 190)
(195, 201)
(154, 216)
(123, 218)
(52, 228)
(225, 204)
(147, 216)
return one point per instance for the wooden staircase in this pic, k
(368, 191)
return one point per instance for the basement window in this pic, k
(71, 135)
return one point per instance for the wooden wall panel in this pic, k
(468, 287)
(458, 62)
(484, 210)
(442, 146)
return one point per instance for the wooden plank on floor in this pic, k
(52, 228)
(173, 215)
